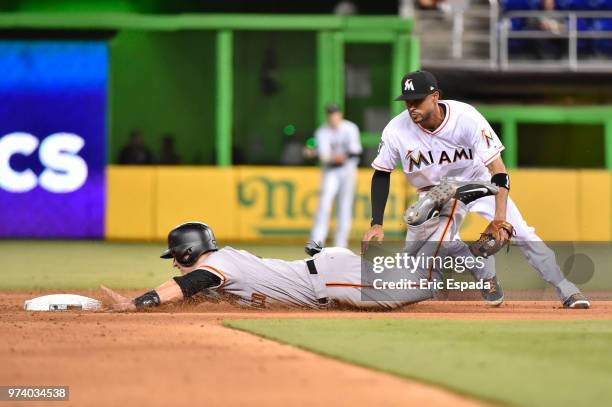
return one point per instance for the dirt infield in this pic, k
(181, 355)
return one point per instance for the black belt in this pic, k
(312, 269)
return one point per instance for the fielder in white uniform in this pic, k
(332, 276)
(338, 148)
(445, 139)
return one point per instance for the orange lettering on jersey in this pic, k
(488, 137)
(258, 300)
(421, 159)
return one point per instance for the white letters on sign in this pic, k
(64, 172)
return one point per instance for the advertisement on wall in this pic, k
(52, 138)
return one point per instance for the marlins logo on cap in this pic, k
(417, 85)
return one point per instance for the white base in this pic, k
(62, 302)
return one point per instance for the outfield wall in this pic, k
(278, 203)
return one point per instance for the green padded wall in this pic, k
(163, 82)
(262, 61)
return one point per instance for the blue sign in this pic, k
(52, 138)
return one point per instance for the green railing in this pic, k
(333, 32)
(509, 116)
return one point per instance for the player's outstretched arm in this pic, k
(375, 232)
(167, 292)
(178, 288)
(379, 193)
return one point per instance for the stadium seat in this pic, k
(585, 45)
(517, 5)
(516, 45)
(572, 4)
(517, 24)
(511, 5)
(583, 4)
(603, 45)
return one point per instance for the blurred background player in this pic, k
(338, 148)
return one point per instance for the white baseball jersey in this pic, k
(460, 148)
(342, 140)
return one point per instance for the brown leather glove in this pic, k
(491, 241)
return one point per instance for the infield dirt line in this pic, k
(167, 356)
(171, 351)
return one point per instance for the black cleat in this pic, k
(577, 301)
(471, 192)
(313, 248)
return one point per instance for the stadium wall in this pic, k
(277, 203)
(163, 83)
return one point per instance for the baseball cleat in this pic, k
(494, 295)
(313, 247)
(470, 192)
(429, 205)
(577, 301)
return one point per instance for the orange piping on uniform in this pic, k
(450, 219)
(497, 153)
(381, 168)
(218, 272)
(439, 129)
(340, 284)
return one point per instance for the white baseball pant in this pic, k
(340, 182)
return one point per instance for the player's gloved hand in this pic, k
(309, 152)
(375, 232)
(500, 230)
(118, 301)
(338, 158)
(493, 239)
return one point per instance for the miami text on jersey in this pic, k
(442, 157)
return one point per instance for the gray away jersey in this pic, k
(258, 281)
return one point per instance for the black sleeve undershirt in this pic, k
(196, 281)
(381, 181)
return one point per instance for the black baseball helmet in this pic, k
(187, 242)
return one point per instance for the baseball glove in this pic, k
(490, 241)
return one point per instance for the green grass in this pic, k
(513, 362)
(522, 363)
(32, 265)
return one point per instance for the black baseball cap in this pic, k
(332, 108)
(417, 85)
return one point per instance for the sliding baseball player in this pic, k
(332, 276)
(436, 139)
